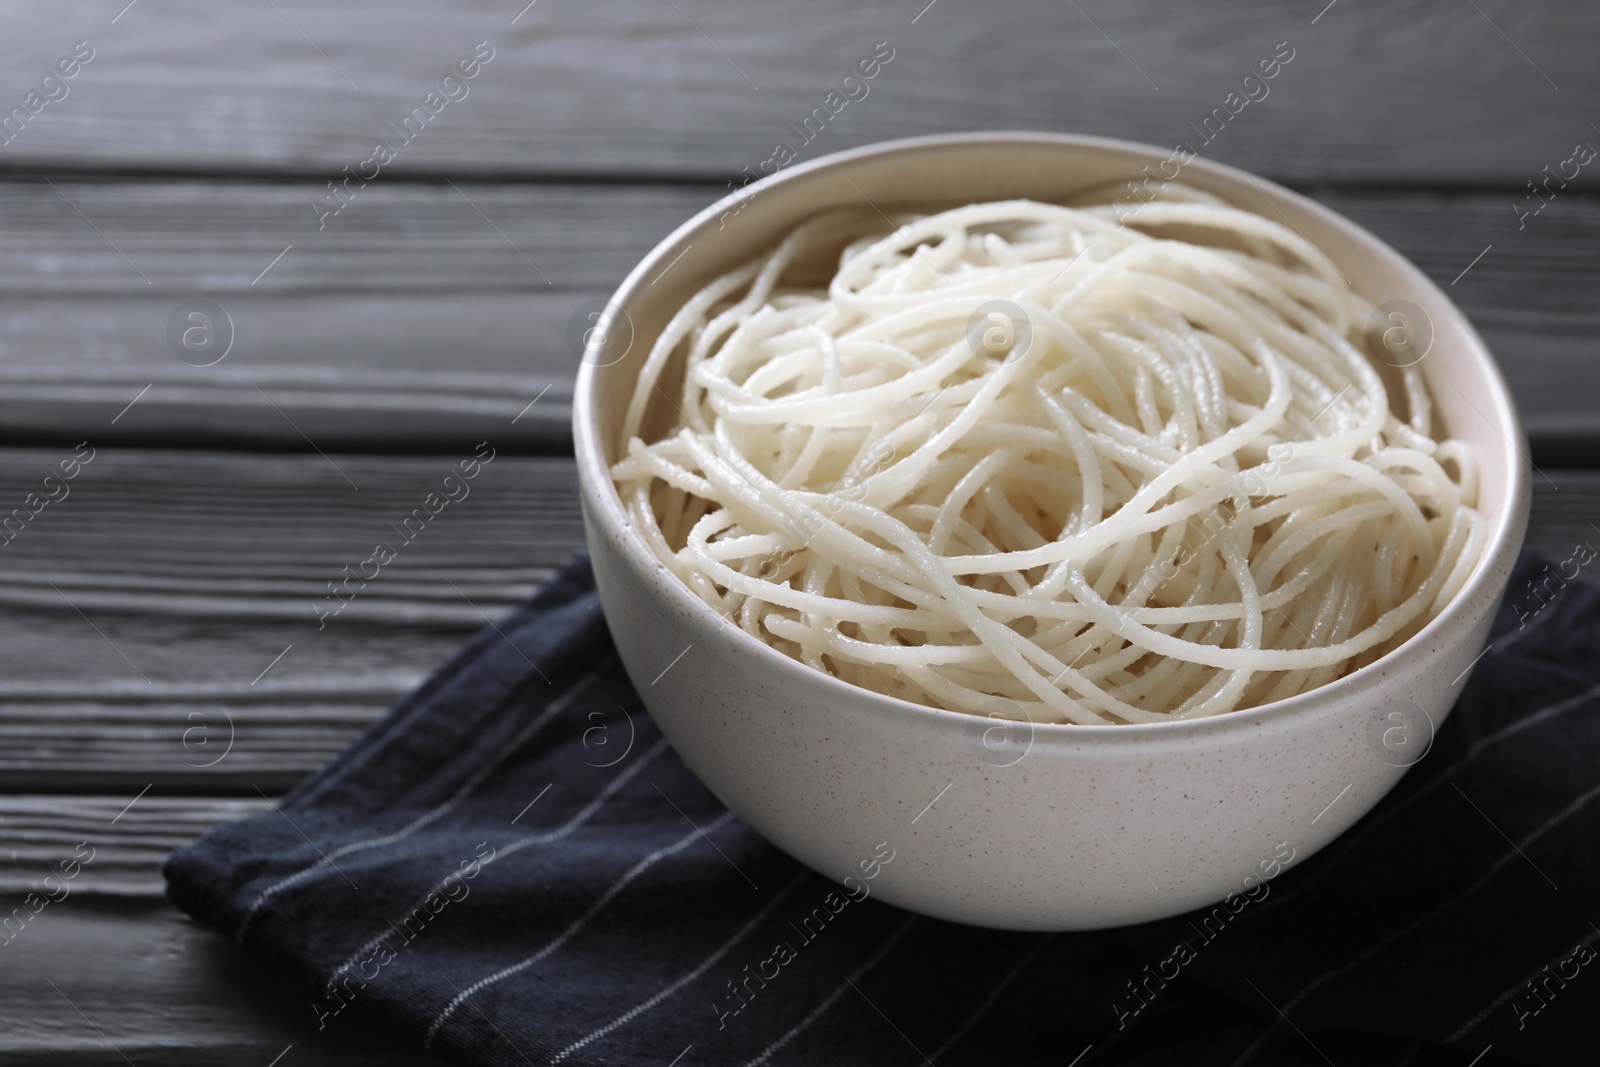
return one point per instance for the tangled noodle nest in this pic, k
(1057, 461)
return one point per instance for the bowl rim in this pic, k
(1506, 530)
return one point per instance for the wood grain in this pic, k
(126, 838)
(413, 322)
(413, 325)
(235, 535)
(174, 593)
(101, 982)
(637, 87)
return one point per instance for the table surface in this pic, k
(161, 664)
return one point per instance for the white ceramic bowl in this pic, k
(1049, 827)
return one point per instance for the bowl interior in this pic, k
(1471, 398)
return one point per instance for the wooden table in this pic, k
(163, 664)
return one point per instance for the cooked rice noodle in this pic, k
(1165, 480)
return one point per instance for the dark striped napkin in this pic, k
(514, 868)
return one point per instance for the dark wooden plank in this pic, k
(115, 743)
(125, 840)
(415, 325)
(197, 238)
(422, 371)
(195, 573)
(1566, 511)
(414, 322)
(419, 371)
(641, 87)
(256, 537)
(100, 982)
(1531, 294)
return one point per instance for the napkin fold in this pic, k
(513, 867)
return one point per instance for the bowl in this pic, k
(1043, 827)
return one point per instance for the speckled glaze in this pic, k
(1057, 827)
